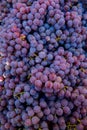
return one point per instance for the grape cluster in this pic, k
(43, 65)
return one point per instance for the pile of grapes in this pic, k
(43, 64)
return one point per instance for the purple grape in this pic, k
(35, 120)
(43, 64)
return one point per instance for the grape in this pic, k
(61, 121)
(80, 127)
(43, 64)
(40, 114)
(35, 120)
(28, 122)
(66, 110)
(59, 112)
(50, 117)
(30, 113)
(44, 124)
(7, 125)
(30, 101)
(38, 83)
(47, 111)
(48, 84)
(37, 109)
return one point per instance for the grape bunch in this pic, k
(43, 65)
